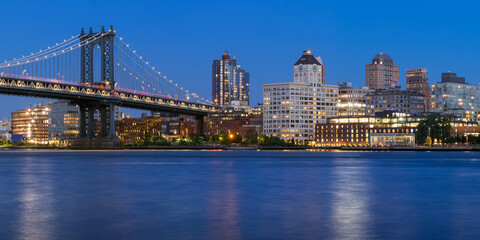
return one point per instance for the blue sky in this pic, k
(181, 38)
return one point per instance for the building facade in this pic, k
(381, 73)
(452, 77)
(352, 101)
(395, 100)
(132, 130)
(417, 81)
(63, 121)
(227, 122)
(229, 82)
(453, 96)
(5, 130)
(358, 131)
(31, 124)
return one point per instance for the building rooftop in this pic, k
(308, 58)
(382, 56)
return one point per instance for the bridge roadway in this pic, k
(78, 92)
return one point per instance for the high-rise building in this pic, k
(352, 101)
(291, 110)
(229, 82)
(417, 81)
(31, 124)
(381, 73)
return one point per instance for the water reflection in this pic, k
(223, 206)
(36, 212)
(350, 209)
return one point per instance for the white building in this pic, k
(459, 99)
(291, 110)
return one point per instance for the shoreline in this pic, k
(263, 148)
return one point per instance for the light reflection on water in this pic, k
(239, 195)
(350, 204)
(36, 211)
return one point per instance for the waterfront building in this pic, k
(453, 96)
(381, 73)
(131, 130)
(31, 124)
(63, 121)
(234, 122)
(230, 82)
(384, 127)
(5, 130)
(417, 81)
(291, 110)
(395, 100)
(352, 101)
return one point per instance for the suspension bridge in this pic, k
(98, 71)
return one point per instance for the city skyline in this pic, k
(276, 38)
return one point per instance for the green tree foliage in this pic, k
(434, 126)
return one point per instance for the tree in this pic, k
(433, 126)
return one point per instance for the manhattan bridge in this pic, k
(98, 71)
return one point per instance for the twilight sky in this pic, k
(181, 38)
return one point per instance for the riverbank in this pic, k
(260, 148)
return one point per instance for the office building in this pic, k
(352, 101)
(63, 121)
(31, 124)
(417, 81)
(384, 128)
(395, 100)
(453, 96)
(291, 110)
(229, 82)
(381, 73)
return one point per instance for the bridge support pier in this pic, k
(83, 121)
(106, 138)
(112, 133)
(199, 125)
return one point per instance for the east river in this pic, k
(239, 195)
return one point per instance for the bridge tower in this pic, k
(106, 138)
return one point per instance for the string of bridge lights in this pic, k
(48, 56)
(134, 77)
(71, 44)
(170, 87)
(41, 52)
(160, 74)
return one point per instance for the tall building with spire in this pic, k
(230, 82)
(381, 73)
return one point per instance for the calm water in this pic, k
(239, 195)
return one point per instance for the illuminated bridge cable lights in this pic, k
(61, 63)
(180, 90)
